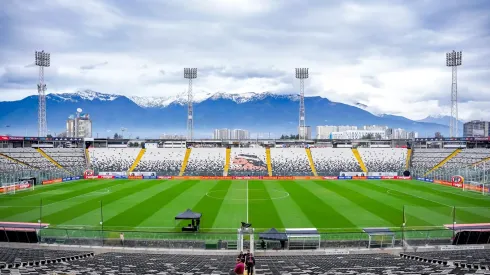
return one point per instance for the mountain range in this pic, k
(152, 116)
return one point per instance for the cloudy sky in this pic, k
(388, 55)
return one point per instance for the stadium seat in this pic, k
(384, 159)
(164, 161)
(206, 162)
(248, 162)
(290, 162)
(332, 161)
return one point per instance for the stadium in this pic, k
(313, 195)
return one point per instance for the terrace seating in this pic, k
(167, 161)
(384, 159)
(17, 257)
(290, 162)
(9, 165)
(69, 158)
(112, 159)
(248, 161)
(206, 162)
(467, 258)
(31, 157)
(129, 263)
(467, 157)
(425, 159)
(332, 161)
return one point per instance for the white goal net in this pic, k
(12, 188)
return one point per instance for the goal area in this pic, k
(13, 187)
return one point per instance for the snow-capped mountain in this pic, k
(441, 119)
(155, 115)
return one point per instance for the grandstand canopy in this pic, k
(469, 227)
(188, 215)
(273, 235)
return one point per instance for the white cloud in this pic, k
(388, 55)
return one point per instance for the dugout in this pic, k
(274, 236)
(475, 233)
(303, 238)
(380, 237)
(19, 232)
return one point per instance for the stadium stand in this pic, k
(332, 161)
(384, 159)
(9, 165)
(474, 258)
(290, 162)
(136, 263)
(29, 156)
(205, 162)
(467, 157)
(22, 257)
(164, 161)
(112, 159)
(69, 158)
(248, 161)
(426, 159)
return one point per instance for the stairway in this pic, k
(87, 158)
(184, 163)
(268, 159)
(409, 158)
(50, 158)
(227, 162)
(359, 160)
(137, 160)
(312, 164)
(440, 164)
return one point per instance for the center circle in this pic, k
(253, 194)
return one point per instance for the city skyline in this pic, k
(363, 64)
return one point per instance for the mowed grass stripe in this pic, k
(287, 209)
(261, 209)
(143, 210)
(114, 208)
(321, 214)
(374, 205)
(209, 206)
(40, 189)
(353, 212)
(20, 209)
(449, 197)
(66, 214)
(432, 215)
(463, 214)
(444, 189)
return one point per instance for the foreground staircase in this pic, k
(312, 164)
(227, 162)
(137, 160)
(50, 159)
(268, 159)
(359, 160)
(440, 164)
(186, 160)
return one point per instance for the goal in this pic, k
(483, 188)
(12, 188)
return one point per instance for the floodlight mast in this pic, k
(190, 73)
(42, 60)
(302, 74)
(453, 60)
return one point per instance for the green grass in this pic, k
(150, 206)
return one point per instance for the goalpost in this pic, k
(12, 188)
(483, 188)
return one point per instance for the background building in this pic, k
(476, 128)
(222, 134)
(240, 134)
(79, 126)
(304, 132)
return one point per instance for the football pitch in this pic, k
(329, 206)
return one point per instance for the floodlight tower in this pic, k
(42, 60)
(302, 74)
(453, 60)
(190, 73)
